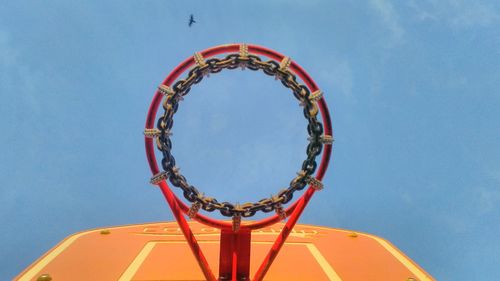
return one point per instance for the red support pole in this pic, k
(234, 259)
(188, 234)
(280, 240)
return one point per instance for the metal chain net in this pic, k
(173, 95)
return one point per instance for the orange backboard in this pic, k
(158, 251)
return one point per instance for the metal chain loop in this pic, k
(174, 94)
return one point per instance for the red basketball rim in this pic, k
(232, 48)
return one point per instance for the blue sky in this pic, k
(412, 87)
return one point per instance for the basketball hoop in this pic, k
(236, 235)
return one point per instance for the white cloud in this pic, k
(7, 61)
(390, 18)
(457, 14)
(489, 196)
(16, 79)
(474, 204)
(7, 53)
(339, 75)
(495, 175)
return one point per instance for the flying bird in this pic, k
(191, 20)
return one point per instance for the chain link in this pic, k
(174, 94)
